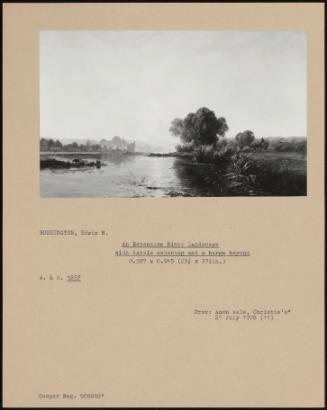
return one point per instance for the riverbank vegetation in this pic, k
(53, 163)
(245, 165)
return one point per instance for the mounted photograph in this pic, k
(173, 113)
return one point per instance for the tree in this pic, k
(57, 144)
(51, 144)
(201, 127)
(177, 127)
(208, 127)
(245, 138)
(44, 144)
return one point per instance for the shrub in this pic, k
(211, 154)
(259, 145)
(187, 147)
(245, 138)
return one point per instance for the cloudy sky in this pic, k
(98, 84)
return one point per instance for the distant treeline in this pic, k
(57, 146)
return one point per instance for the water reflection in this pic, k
(124, 175)
(198, 179)
(116, 158)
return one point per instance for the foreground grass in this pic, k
(282, 174)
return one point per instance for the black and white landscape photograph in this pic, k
(131, 114)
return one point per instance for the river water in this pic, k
(124, 175)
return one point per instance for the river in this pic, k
(124, 175)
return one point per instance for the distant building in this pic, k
(105, 145)
(117, 144)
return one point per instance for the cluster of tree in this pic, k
(199, 128)
(204, 129)
(50, 145)
(56, 145)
